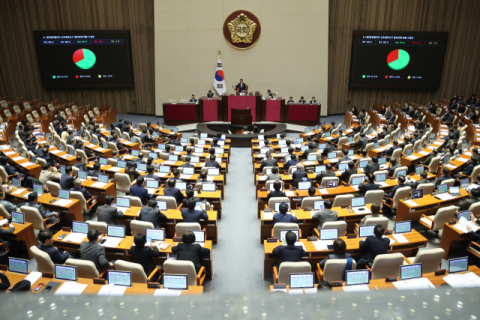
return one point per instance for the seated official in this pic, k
(343, 158)
(290, 252)
(46, 239)
(326, 215)
(174, 140)
(372, 167)
(473, 197)
(327, 173)
(212, 163)
(329, 148)
(209, 94)
(269, 93)
(176, 175)
(339, 252)
(268, 161)
(370, 185)
(138, 190)
(400, 184)
(190, 195)
(302, 100)
(10, 207)
(312, 148)
(374, 245)
(107, 213)
(78, 187)
(150, 213)
(293, 160)
(215, 143)
(10, 170)
(282, 216)
(131, 170)
(33, 202)
(95, 172)
(139, 159)
(80, 146)
(66, 181)
(362, 142)
(345, 176)
(311, 193)
(92, 251)
(290, 100)
(10, 243)
(414, 184)
(187, 250)
(445, 176)
(144, 255)
(120, 147)
(274, 175)
(427, 160)
(80, 165)
(150, 175)
(394, 165)
(192, 215)
(187, 163)
(375, 208)
(313, 101)
(171, 191)
(300, 173)
(392, 148)
(276, 192)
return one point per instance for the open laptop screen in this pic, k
(355, 277)
(411, 271)
(458, 265)
(302, 280)
(175, 281)
(120, 278)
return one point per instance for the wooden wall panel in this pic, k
(19, 73)
(461, 67)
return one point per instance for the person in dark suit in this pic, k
(300, 173)
(95, 171)
(344, 157)
(151, 214)
(292, 162)
(414, 184)
(282, 215)
(140, 191)
(461, 107)
(391, 194)
(78, 187)
(312, 148)
(276, 193)
(107, 213)
(326, 215)
(419, 125)
(241, 86)
(374, 245)
(372, 167)
(472, 115)
(311, 193)
(193, 100)
(171, 191)
(361, 116)
(383, 110)
(394, 165)
(370, 185)
(10, 243)
(187, 250)
(46, 239)
(192, 215)
(339, 252)
(10, 170)
(187, 163)
(144, 255)
(302, 100)
(150, 175)
(290, 252)
(215, 143)
(313, 101)
(212, 163)
(66, 181)
(473, 197)
(92, 251)
(269, 93)
(475, 156)
(428, 159)
(209, 94)
(348, 173)
(445, 176)
(394, 147)
(268, 162)
(389, 112)
(327, 173)
(175, 141)
(70, 138)
(145, 137)
(449, 119)
(33, 202)
(362, 142)
(120, 147)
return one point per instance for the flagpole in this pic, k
(220, 57)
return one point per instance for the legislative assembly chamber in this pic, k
(209, 159)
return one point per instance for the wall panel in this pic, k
(19, 73)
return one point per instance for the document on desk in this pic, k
(412, 157)
(18, 191)
(33, 277)
(112, 242)
(168, 162)
(55, 151)
(425, 153)
(462, 159)
(105, 290)
(311, 291)
(312, 213)
(9, 153)
(115, 169)
(98, 185)
(210, 178)
(391, 240)
(186, 176)
(333, 160)
(75, 237)
(161, 175)
(62, 202)
(300, 244)
(361, 210)
(444, 196)
(468, 153)
(472, 277)
(100, 149)
(451, 166)
(25, 195)
(65, 156)
(355, 187)
(323, 191)
(295, 291)
(160, 293)
(321, 245)
(357, 288)
(290, 193)
(118, 291)
(382, 184)
(267, 215)
(400, 238)
(438, 143)
(151, 191)
(458, 281)
(411, 203)
(309, 163)
(71, 289)
(18, 158)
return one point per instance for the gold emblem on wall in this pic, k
(241, 29)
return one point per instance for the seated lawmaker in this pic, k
(92, 251)
(33, 202)
(290, 252)
(144, 255)
(107, 213)
(192, 215)
(150, 173)
(370, 185)
(188, 250)
(326, 215)
(339, 252)
(445, 176)
(473, 197)
(375, 208)
(171, 191)
(282, 215)
(374, 245)
(66, 181)
(391, 194)
(327, 173)
(276, 192)
(95, 171)
(138, 190)
(78, 187)
(150, 213)
(274, 175)
(46, 245)
(348, 172)
(212, 163)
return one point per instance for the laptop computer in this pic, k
(312, 157)
(194, 159)
(411, 271)
(18, 265)
(342, 166)
(304, 185)
(188, 170)
(120, 278)
(152, 185)
(18, 217)
(319, 169)
(319, 205)
(162, 205)
(329, 234)
(357, 277)
(208, 187)
(154, 235)
(403, 227)
(358, 205)
(366, 231)
(419, 169)
(82, 175)
(173, 158)
(121, 164)
(123, 204)
(284, 232)
(381, 178)
(465, 183)
(116, 231)
(175, 281)
(443, 188)
(181, 185)
(103, 161)
(332, 155)
(79, 227)
(38, 189)
(301, 280)
(277, 206)
(458, 265)
(199, 236)
(363, 164)
(198, 150)
(135, 153)
(357, 180)
(142, 166)
(164, 169)
(64, 194)
(102, 178)
(331, 184)
(417, 194)
(213, 172)
(401, 173)
(454, 191)
(68, 273)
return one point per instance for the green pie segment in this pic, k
(398, 59)
(84, 58)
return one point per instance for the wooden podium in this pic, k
(241, 117)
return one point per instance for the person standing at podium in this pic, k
(193, 99)
(241, 87)
(269, 93)
(209, 94)
(302, 100)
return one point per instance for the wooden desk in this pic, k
(73, 211)
(25, 235)
(351, 120)
(428, 205)
(122, 250)
(215, 198)
(306, 222)
(62, 157)
(109, 188)
(415, 241)
(99, 151)
(19, 162)
(193, 179)
(452, 238)
(93, 289)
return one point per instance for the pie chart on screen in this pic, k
(398, 59)
(84, 58)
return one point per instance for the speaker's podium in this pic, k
(241, 117)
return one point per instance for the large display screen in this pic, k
(394, 59)
(84, 59)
